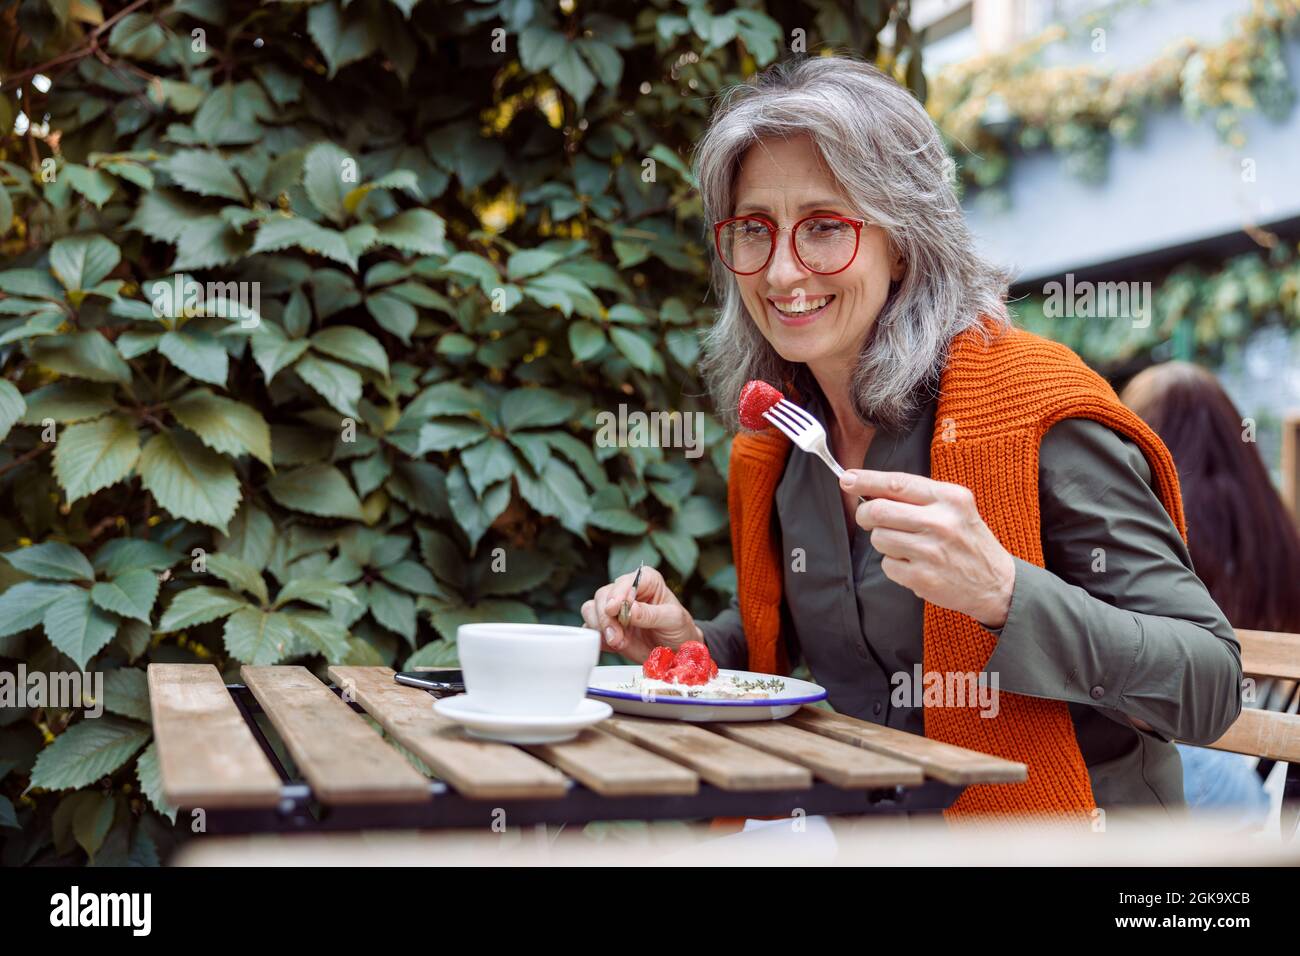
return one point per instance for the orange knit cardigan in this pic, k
(997, 398)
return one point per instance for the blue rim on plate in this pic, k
(707, 701)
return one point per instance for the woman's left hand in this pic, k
(935, 543)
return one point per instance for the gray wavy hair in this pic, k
(889, 160)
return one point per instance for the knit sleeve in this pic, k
(1118, 619)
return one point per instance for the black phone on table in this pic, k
(441, 682)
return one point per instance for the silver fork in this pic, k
(805, 431)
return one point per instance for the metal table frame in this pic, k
(299, 811)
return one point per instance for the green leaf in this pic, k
(441, 653)
(447, 435)
(586, 339)
(206, 173)
(412, 577)
(78, 628)
(419, 485)
(273, 352)
(83, 261)
(91, 820)
(352, 345)
(24, 604)
(53, 559)
(533, 407)
(258, 637)
(420, 231)
(318, 489)
(130, 594)
(559, 493)
(130, 554)
(531, 262)
(636, 350)
(319, 591)
(341, 39)
(149, 775)
(393, 609)
(95, 184)
(95, 454)
(523, 571)
(487, 463)
(68, 401)
(126, 692)
(252, 536)
(189, 479)
(81, 355)
(394, 314)
(475, 516)
(573, 74)
(86, 751)
(323, 171)
(196, 354)
(238, 575)
(337, 384)
(283, 232)
(447, 620)
(224, 425)
(540, 47)
(12, 407)
(322, 632)
(165, 215)
(618, 520)
(678, 548)
(230, 114)
(199, 605)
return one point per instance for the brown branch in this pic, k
(77, 54)
(27, 456)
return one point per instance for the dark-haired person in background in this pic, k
(1243, 541)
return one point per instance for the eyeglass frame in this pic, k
(775, 230)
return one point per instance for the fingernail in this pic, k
(846, 478)
(609, 634)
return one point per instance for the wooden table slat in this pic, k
(207, 754)
(479, 769)
(1270, 654)
(942, 761)
(615, 767)
(722, 762)
(1263, 733)
(339, 754)
(839, 763)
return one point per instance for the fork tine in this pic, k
(781, 416)
(798, 413)
(787, 429)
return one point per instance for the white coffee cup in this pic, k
(527, 669)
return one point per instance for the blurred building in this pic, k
(1180, 191)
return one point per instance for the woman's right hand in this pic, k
(657, 617)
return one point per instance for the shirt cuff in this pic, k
(1045, 648)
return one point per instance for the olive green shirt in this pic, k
(1117, 625)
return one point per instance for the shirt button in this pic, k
(875, 708)
(1098, 692)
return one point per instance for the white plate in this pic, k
(605, 684)
(520, 729)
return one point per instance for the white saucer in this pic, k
(520, 728)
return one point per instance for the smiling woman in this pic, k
(1024, 530)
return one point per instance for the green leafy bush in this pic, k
(435, 241)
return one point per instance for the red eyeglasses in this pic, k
(822, 244)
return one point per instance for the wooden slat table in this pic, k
(333, 770)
